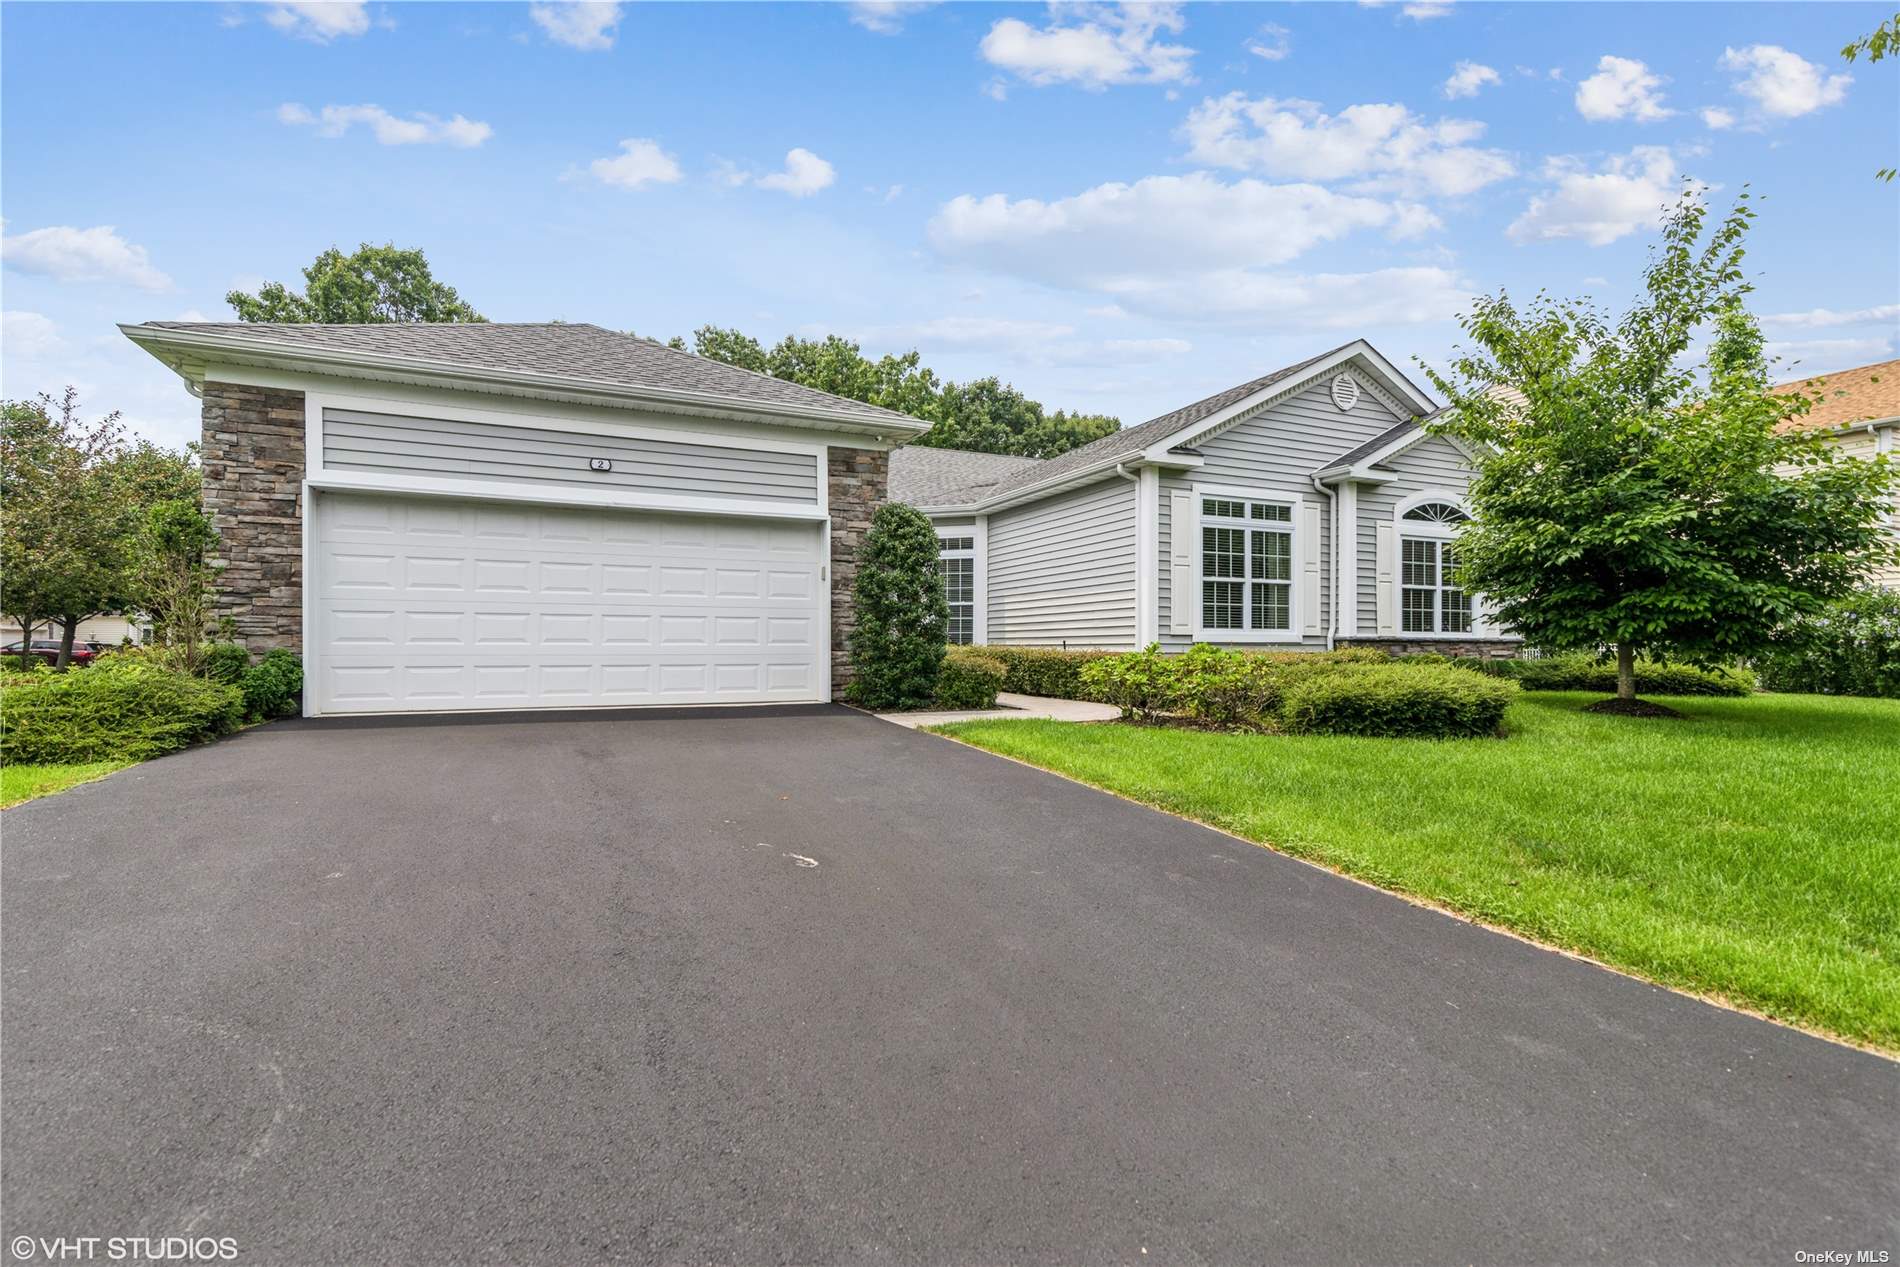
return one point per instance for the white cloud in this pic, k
(1272, 43)
(1026, 342)
(1818, 318)
(1113, 312)
(1194, 248)
(1627, 194)
(1093, 46)
(28, 334)
(1715, 118)
(1381, 146)
(640, 162)
(804, 175)
(583, 24)
(97, 254)
(1817, 356)
(1467, 78)
(886, 17)
(1426, 10)
(319, 21)
(1622, 88)
(423, 129)
(1785, 85)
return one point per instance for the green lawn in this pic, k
(1750, 852)
(24, 782)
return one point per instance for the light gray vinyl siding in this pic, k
(1434, 463)
(389, 444)
(954, 522)
(1278, 450)
(1062, 570)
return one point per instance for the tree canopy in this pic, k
(985, 415)
(1878, 44)
(375, 284)
(1632, 493)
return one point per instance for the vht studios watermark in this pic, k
(1842, 1256)
(124, 1249)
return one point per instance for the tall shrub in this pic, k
(1852, 648)
(898, 645)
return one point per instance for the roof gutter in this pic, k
(241, 350)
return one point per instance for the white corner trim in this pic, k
(1346, 551)
(980, 622)
(1147, 556)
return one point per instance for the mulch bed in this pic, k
(1631, 708)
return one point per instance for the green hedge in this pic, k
(1359, 691)
(1046, 671)
(225, 662)
(1852, 648)
(126, 709)
(1396, 702)
(1584, 672)
(270, 686)
(969, 679)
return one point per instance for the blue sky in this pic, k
(1119, 209)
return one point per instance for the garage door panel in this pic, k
(429, 605)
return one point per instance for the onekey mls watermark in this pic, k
(1843, 1257)
(124, 1249)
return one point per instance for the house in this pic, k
(1858, 411)
(1307, 508)
(494, 516)
(110, 629)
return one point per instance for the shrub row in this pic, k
(1356, 692)
(136, 704)
(1046, 671)
(1852, 648)
(969, 679)
(1584, 672)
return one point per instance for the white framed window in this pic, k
(956, 565)
(1245, 574)
(1430, 600)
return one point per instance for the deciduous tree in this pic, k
(373, 284)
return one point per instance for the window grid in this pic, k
(1247, 575)
(1429, 601)
(956, 569)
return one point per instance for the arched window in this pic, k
(1430, 601)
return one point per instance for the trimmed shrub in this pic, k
(1584, 672)
(225, 662)
(1047, 671)
(898, 644)
(123, 708)
(270, 686)
(1140, 683)
(1852, 648)
(1400, 702)
(969, 679)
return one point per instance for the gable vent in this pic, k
(1345, 391)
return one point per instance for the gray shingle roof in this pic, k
(924, 476)
(576, 350)
(1372, 446)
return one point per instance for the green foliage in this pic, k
(1397, 702)
(120, 709)
(985, 415)
(225, 662)
(375, 284)
(1140, 683)
(1046, 671)
(969, 679)
(174, 580)
(270, 686)
(1882, 42)
(1581, 671)
(897, 647)
(1628, 497)
(1851, 648)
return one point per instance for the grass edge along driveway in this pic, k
(21, 783)
(1750, 852)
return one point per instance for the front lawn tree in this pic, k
(1632, 490)
(375, 284)
(897, 647)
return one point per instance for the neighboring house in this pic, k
(1219, 522)
(111, 629)
(1858, 410)
(490, 516)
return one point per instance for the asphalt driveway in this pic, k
(572, 990)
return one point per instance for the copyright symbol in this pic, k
(23, 1247)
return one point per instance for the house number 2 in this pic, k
(600, 464)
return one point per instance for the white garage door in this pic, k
(426, 604)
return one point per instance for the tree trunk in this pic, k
(68, 630)
(1625, 671)
(26, 641)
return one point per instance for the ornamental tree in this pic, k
(897, 647)
(1632, 490)
(376, 284)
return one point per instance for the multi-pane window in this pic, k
(1430, 601)
(1246, 565)
(956, 565)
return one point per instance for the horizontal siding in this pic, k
(389, 444)
(1062, 570)
(1278, 449)
(1433, 463)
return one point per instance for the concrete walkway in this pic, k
(1019, 707)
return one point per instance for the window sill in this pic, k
(1246, 635)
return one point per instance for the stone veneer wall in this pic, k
(859, 481)
(1476, 648)
(253, 478)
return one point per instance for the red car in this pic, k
(48, 650)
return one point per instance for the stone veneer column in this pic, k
(253, 481)
(859, 481)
